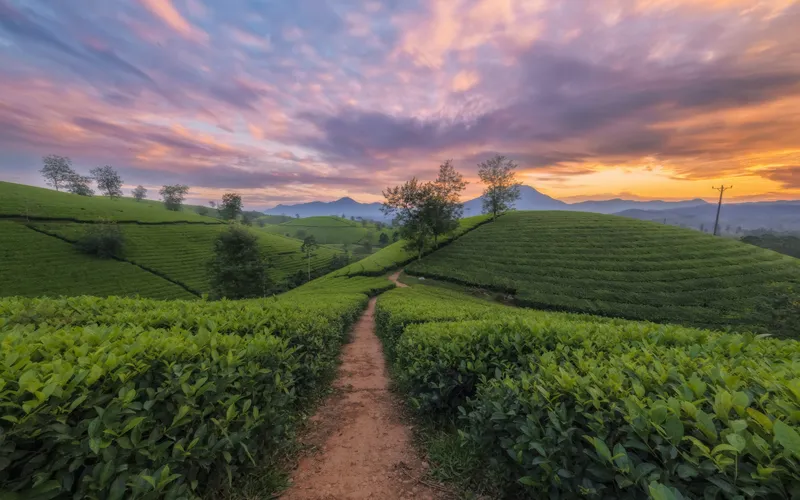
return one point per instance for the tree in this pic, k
(231, 206)
(296, 216)
(108, 181)
(383, 239)
(502, 188)
(139, 193)
(395, 236)
(79, 184)
(308, 246)
(238, 268)
(444, 207)
(57, 170)
(173, 196)
(103, 240)
(212, 204)
(408, 204)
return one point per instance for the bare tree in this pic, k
(502, 188)
(173, 196)
(139, 193)
(108, 181)
(57, 170)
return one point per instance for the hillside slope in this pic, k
(34, 264)
(328, 230)
(614, 266)
(19, 200)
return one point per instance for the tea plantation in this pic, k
(567, 406)
(615, 266)
(328, 230)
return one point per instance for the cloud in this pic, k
(169, 15)
(300, 97)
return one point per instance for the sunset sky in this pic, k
(298, 100)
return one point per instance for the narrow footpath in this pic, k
(363, 447)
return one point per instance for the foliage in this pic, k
(444, 207)
(616, 266)
(108, 181)
(18, 200)
(409, 205)
(79, 184)
(397, 254)
(34, 264)
(103, 240)
(139, 193)
(383, 239)
(231, 206)
(787, 244)
(121, 398)
(579, 405)
(502, 188)
(173, 196)
(308, 247)
(57, 170)
(238, 268)
(181, 252)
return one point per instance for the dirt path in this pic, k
(394, 278)
(364, 448)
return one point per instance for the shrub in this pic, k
(104, 240)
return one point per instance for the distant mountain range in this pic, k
(689, 213)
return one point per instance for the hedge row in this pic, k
(566, 406)
(123, 398)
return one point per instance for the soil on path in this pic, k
(394, 279)
(364, 449)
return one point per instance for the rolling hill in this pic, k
(329, 230)
(615, 266)
(734, 218)
(165, 253)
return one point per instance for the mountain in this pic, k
(618, 205)
(343, 206)
(529, 199)
(734, 217)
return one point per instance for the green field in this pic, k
(329, 230)
(34, 264)
(615, 266)
(21, 201)
(580, 405)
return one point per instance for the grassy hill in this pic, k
(165, 253)
(328, 230)
(34, 264)
(19, 200)
(614, 266)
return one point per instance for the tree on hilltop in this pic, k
(108, 181)
(173, 196)
(502, 188)
(139, 193)
(408, 204)
(444, 206)
(57, 170)
(79, 184)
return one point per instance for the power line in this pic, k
(721, 190)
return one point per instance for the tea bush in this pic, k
(567, 405)
(126, 398)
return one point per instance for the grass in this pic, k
(329, 230)
(34, 264)
(18, 200)
(181, 251)
(614, 266)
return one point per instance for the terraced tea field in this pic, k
(328, 230)
(614, 266)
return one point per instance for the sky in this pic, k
(287, 101)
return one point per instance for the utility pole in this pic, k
(721, 190)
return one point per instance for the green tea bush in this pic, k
(126, 398)
(566, 406)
